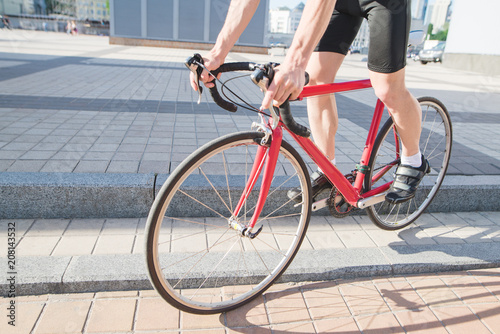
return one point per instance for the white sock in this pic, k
(414, 160)
(333, 162)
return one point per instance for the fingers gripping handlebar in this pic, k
(195, 64)
(262, 76)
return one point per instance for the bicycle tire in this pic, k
(435, 144)
(231, 270)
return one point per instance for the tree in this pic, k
(62, 7)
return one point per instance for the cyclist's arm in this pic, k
(238, 16)
(289, 78)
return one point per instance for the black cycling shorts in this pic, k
(389, 22)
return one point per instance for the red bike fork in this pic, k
(269, 155)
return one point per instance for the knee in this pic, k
(391, 96)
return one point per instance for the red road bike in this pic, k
(222, 229)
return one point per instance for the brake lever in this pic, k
(193, 64)
(262, 76)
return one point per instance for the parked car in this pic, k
(432, 55)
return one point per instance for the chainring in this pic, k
(338, 206)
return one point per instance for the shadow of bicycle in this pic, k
(352, 306)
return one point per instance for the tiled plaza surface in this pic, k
(456, 302)
(79, 105)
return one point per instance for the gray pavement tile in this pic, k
(133, 147)
(492, 216)
(154, 166)
(68, 155)
(72, 147)
(57, 139)
(75, 245)
(48, 227)
(161, 156)
(319, 223)
(92, 166)
(322, 240)
(28, 139)
(21, 226)
(85, 226)
(123, 166)
(37, 131)
(128, 156)
(109, 139)
(59, 166)
(98, 156)
(26, 166)
(5, 164)
(114, 244)
(48, 146)
(135, 140)
(120, 226)
(40, 246)
(104, 147)
(416, 236)
(475, 219)
(155, 148)
(344, 224)
(12, 154)
(356, 239)
(470, 234)
(14, 146)
(37, 155)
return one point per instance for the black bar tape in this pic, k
(287, 118)
(229, 67)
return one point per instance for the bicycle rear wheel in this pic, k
(435, 144)
(196, 261)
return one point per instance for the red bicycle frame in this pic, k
(269, 155)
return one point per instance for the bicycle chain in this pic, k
(340, 209)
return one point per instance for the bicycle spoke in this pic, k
(227, 182)
(217, 192)
(203, 204)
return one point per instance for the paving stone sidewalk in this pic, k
(456, 302)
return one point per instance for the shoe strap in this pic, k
(409, 172)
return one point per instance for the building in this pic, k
(176, 23)
(419, 8)
(95, 10)
(283, 20)
(472, 42)
(279, 19)
(440, 14)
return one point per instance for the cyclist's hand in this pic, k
(287, 83)
(211, 63)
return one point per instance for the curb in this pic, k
(86, 195)
(95, 273)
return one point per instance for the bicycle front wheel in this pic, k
(435, 144)
(196, 261)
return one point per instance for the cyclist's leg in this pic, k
(322, 68)
(389, 23)
(322, 110)
(390, 88)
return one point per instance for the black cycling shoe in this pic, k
(319, 183)
(406, 182)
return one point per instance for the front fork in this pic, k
(266, 154)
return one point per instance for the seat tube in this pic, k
(267, 178)
(370, 141)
